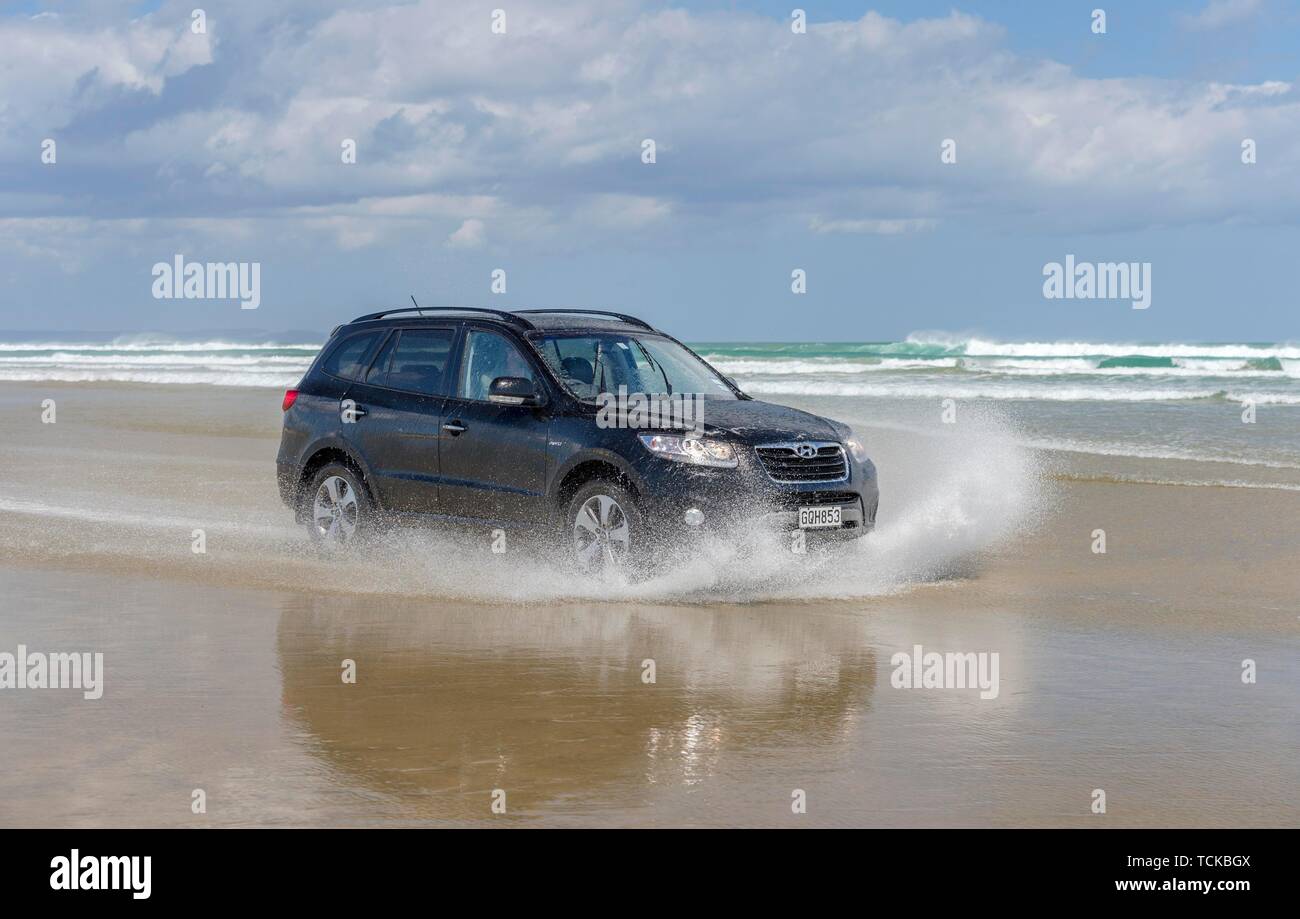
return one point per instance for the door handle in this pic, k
(454, 428)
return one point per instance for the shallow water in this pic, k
(773, 673)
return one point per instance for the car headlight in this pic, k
(855, 447)
(695, 450)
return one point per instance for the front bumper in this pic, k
(744, 498)
(852, 521)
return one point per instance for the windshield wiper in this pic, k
(655, 364)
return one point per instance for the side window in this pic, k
(379, 366)
(488, 356)
(574, 359)
(419, 362)
(346, 359)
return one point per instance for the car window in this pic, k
(379, 366)
(346, 359)
(419, 361)
(603, 363)
(488, 356)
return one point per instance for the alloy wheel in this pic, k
(601, 536)
(335, 511)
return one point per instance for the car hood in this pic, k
(756, 422)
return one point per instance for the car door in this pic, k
(492, 456)
(397, 409)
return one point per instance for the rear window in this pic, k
(346, 360)
(419, 362)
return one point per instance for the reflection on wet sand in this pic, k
(478, 671)
(550, 704)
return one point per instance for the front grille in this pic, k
(784, 464)
(793, 500)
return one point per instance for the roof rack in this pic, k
(511, 318)
(622, 316)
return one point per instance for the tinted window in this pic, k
(592, 364)
(419, 361)
(379, 366)
(345, 360)
(488, 356)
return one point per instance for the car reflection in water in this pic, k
(550, 705)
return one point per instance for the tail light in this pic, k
(290, 396)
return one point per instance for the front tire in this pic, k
(339, 510)
(606, 533)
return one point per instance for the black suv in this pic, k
(559, 420)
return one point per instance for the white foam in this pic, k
(157, 345)
(59, 359)
(213, 378)
(740, 366)
(996, 390)
(980, 346)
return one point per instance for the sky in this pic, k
(523, 151)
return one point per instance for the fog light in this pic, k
(693, 517)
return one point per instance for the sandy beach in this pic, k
(1119, 671)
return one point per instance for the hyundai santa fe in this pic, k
(506, 419)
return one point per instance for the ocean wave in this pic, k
(976, 347)
(155, 345)
(1028, 367)
(61, 359)
(270, 380)
(993, 390)
(809, 366)
(1072, 367)
(926, 365)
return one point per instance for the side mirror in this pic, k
(513, 391)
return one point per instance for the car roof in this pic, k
(567, 323)
(521, 320)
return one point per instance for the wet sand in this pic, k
(478, 672)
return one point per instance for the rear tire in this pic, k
(605, 532)
(337, 507)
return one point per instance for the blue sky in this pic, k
(774, 151)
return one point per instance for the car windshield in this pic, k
(590, 364)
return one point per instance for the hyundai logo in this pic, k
(807, 451)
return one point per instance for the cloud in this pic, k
(538, 131)
(470, 235)
(1220, 13)
(876, 227)
(55, 71)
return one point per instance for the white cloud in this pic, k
(875, 227)
(54, 71)
(538, 131)
(1220, 13)
(623, 212)
(470, 235)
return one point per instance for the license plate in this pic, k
(816, 518)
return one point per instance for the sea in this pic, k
(1215, 413)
